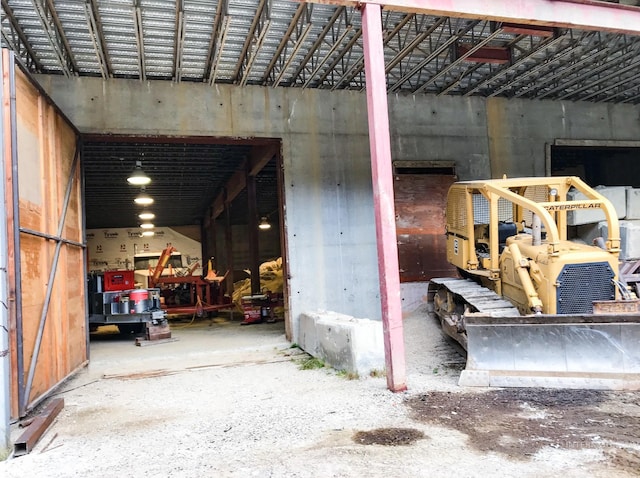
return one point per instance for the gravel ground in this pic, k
(231, 401)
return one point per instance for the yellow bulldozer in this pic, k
(531, 307)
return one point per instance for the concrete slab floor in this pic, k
(233, 401)
(200, 342)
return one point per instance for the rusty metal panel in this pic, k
(420, 201)
(50, 342)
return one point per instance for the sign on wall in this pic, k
(110, 249)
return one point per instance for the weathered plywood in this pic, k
(420, 201)
(46, 146)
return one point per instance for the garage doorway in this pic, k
(210, 197)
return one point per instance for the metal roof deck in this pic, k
(304, 45)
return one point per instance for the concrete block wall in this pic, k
(345, 343)
(617, 195)
(633, 203)
(629, 238)
(591, 223)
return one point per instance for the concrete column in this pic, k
(384, 209)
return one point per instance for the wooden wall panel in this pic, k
(420, 201)
(46, 147)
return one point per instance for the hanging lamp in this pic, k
(138, 177)
(143, 198)
(264, 224)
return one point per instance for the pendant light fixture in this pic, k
(264, 224)
(146, 215)
(147, 234)
(147, 225)
(143, 198)
(138, 177)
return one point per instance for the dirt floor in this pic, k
(231, 401)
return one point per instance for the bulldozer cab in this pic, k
(481, 215)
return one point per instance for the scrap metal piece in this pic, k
(38, 426)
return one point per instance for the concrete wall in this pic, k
(519, 130)
(329, 209)
(329, 206)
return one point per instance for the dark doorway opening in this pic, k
(596, 165)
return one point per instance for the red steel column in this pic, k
(382, 175)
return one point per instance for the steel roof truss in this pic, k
(19, 42)
(332, 48)
(407, 48)
(622, 87)
(622, 58)
(253, 42)
(54, 31)
(352, 68)
(219, 47)
(97, 37)
(546, 64)
(496, 73)
(632, 99)
(582, 56)
(339, 29)
(347, 51)
(222, 12)
(296, 34)
(178, 41)
(316, 45)
(435, 53)
(457, 61)
(137, 19)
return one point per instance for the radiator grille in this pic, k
(581, 284)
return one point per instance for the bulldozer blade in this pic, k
(599, 352)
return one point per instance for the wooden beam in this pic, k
(228, 246)
(258, 159)
(236, 184)
(254, 251)
(581, 14)
(260, 156)
(218, 206)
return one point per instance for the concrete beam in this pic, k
(582, 14)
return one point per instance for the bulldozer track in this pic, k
(483, 300)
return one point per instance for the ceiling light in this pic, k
(147, 225)
(138, 177)
(264, 224)
(146, 215)
(147, 233)
(143, 199)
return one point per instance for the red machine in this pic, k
(188, 294)
(118, 280)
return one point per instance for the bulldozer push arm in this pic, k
(533, 308)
